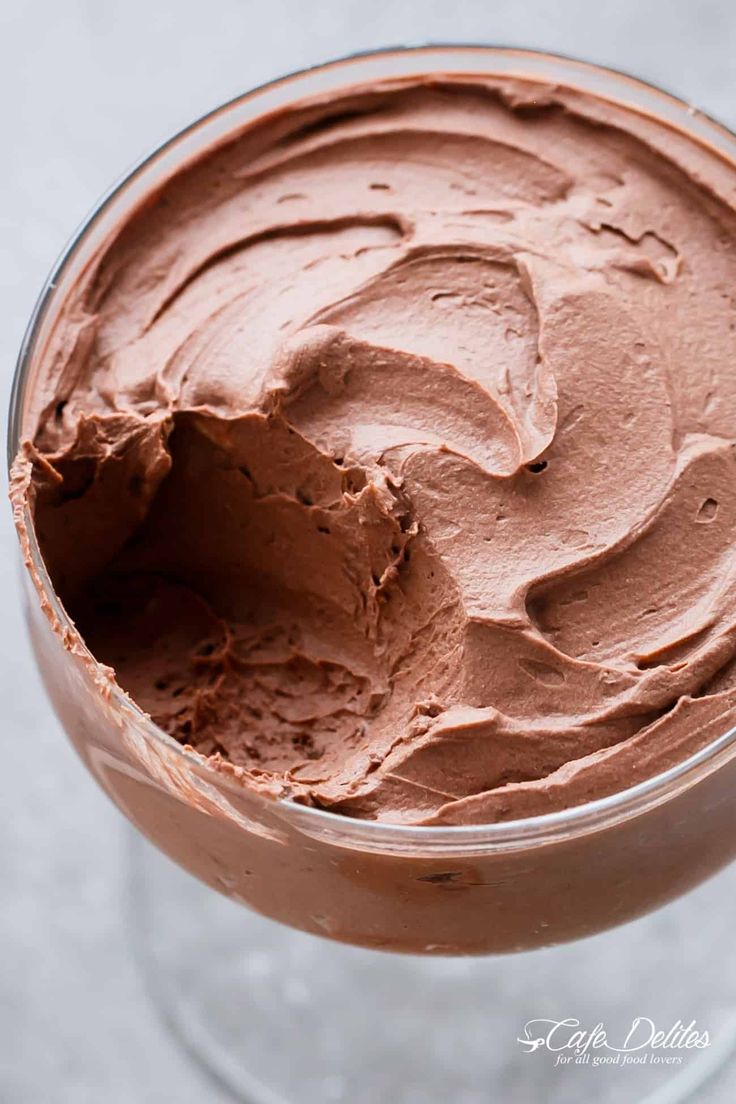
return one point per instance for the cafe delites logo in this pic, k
(640, 1043)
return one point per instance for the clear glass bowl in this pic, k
(469, 890)
(275, 1015)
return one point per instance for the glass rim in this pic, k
(376, 834)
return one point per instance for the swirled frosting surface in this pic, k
(387, 452)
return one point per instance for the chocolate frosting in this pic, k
(386, 452)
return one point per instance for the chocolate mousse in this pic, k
(387, 452)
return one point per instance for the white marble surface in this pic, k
(87, 86)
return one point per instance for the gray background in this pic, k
(86, 87)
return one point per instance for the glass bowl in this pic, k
(450, 890)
